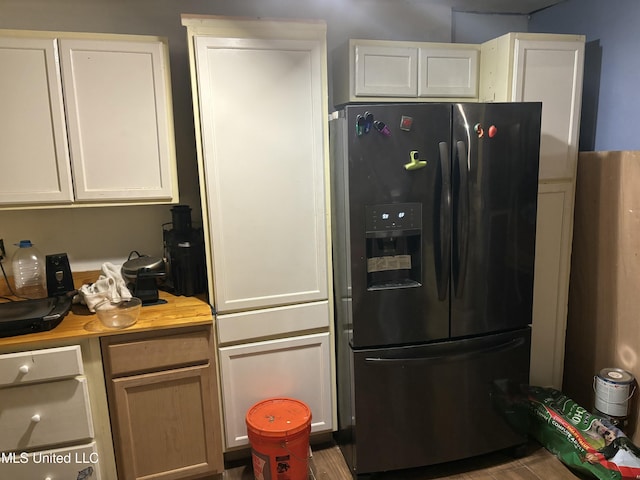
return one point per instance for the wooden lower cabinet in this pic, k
(163, 404)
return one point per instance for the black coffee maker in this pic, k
(184, 251)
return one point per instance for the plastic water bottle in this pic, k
(29, 271)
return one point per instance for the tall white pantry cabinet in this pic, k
(261, 110)
(521, 67)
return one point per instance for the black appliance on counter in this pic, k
(33, 315)
(58, 274)
(434, 238)
(143, 274)
(184, 251)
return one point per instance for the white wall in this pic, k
(478, 28)
(90, 236)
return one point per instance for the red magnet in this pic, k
(492, 131)
(406, 123)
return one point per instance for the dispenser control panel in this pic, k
(393, 217)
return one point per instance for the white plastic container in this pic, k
(29, 276)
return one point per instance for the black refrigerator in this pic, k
(433, 225)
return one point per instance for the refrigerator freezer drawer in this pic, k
(447, 414)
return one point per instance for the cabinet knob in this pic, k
(35, 418)
(24, 369)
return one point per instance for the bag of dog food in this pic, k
(586, 442)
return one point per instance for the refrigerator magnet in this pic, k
(406, 123)
(382, 128)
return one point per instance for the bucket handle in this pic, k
(284, 445)
(619, 403)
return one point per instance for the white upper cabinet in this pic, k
(385, 70)
(551, 72)
(86, 120)
(33, 134)
(382, 70)
(118, 115)
(529, 67)
(448, 71)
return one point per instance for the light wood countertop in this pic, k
(80, 323)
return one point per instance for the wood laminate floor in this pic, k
(327, 463)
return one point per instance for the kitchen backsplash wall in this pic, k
(90, 236)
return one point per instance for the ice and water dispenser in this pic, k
(394, 239)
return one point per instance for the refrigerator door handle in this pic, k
(451, 356)
(445, 222)
(462, 219)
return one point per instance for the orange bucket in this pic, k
(279, 431)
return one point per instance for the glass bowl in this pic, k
(120, 314)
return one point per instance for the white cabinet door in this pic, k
(33, 135)
(297, 367)
(551, 283)
(390, 71)
(448, 72)
(263, 135)
(120, 128)
(551, 72)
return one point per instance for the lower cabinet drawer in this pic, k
(39, 415)
(38, 365)
(133, 354)
(267, 322)
(78, 462)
